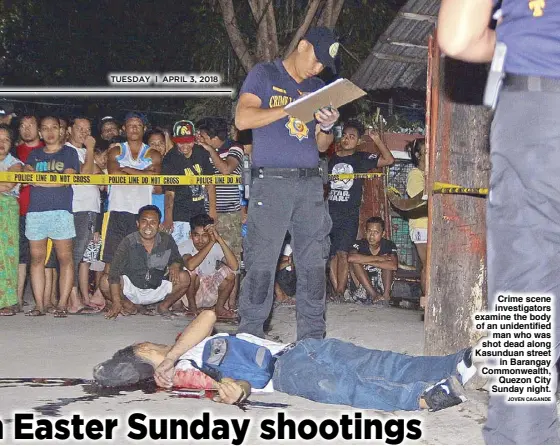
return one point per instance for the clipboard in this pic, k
(340, 92)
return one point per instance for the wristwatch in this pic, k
(327, 132)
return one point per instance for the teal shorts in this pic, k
(56, 225)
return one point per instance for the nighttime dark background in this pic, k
(77, 43)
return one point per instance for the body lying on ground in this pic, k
(323, 370)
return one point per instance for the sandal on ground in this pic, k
(191, 314)
(170, 315)
(95, 306)
(335, 298)
(226, 316)
(289, 302)
(7, 311)
(35, 312)
(86, 310)
(60, 313)
(129, 311)
(146, 311)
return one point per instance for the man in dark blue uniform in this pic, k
(287, 191)
(523, 218)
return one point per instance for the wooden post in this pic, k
(458, 153)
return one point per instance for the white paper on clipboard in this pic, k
(340, 92)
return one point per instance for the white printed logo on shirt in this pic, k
(339, 188)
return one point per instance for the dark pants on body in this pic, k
(277, 205)
(523, 224)
(336, 372)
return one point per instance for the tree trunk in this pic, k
(292, 8)
(309, 16)
(330, 13)
(257, 9)
(459, 154)
(265, 20)
(272, 31)
(326, 14)
(236, 38)
(266, 42)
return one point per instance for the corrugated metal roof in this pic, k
(400, 56)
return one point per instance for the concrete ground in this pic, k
(48, 347)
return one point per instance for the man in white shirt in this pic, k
(212, 265)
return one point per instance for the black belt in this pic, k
(513, 82)
(284, 350)
(286, 172)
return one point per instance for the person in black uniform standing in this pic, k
(523, 218)
(287, 190)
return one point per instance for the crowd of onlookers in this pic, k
(166, 250)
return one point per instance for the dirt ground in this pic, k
(45, 347)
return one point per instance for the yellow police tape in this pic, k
(154, 180)
(85, 179)
(189, 180)
(444, 188)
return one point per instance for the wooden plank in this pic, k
(405, 44)
(457, 230)
(403, 59)
(418, 17)
(432, 98)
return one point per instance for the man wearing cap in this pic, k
(184, 202)
(132, 157)
(523, 214)
(6, 112)
(287, 190)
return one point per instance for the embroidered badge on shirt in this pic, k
(297, 128)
